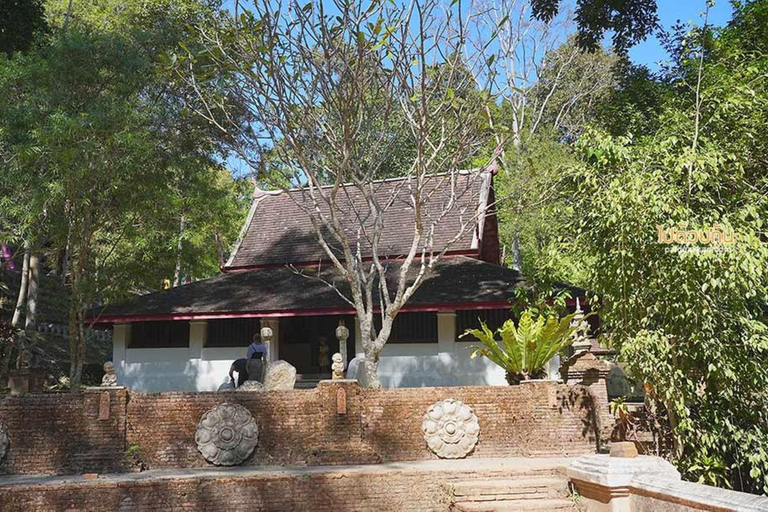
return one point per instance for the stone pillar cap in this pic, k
(619, 471)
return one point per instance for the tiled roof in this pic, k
(278, 230)
(457, 281)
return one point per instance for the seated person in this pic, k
(241, 367)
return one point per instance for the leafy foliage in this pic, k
(524, 350)
(20, 22)
(629, 20)
(106, 171)
(690, 320)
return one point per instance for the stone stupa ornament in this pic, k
(581, 343)
(450, 429)
(227, 435)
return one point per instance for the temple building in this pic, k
(185, 338)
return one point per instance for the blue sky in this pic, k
(650, 51)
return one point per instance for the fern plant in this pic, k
(524, 350)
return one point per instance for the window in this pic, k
(471, 318)
(412, 328)
(172, 334)
(232, 332)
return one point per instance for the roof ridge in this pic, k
(462, 172)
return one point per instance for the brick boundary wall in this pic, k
(61, 433)
(320, 492)
(65, 433)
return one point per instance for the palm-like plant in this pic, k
(525, 349)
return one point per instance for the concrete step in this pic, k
(511, 488)
(545, 505)
(306, 384)
(309, 380)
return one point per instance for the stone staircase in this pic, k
(309, 380)
(541, 492)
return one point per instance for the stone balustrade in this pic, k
(627, 482)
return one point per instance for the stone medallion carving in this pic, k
(451, 429)
(227, 435)
(5, 442)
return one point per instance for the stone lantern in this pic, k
(266, 339)
(342, 333)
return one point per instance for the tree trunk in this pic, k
(517, 257)
(6, 363)
(179, 247)
(372, 369)
(33, 292)
(75, 364)
(219, 248)
(22, 289)
(78, 266)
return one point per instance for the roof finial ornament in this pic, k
(257, 192)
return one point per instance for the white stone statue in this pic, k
(110, 377)
(338, 366)
(251, 385)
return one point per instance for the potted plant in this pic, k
(524, 350)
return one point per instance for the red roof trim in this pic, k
(465, 252)
(112, 319)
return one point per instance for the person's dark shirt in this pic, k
(240, 365)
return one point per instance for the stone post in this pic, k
(268, 332)
(591, 372)
(342, 333)
(266, 338)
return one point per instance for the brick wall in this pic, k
(531, 419)
(62, 432)
(343, 489)
(303, 427)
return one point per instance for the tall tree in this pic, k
(84, 116)
(689, 315)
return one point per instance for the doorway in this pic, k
(300, 341)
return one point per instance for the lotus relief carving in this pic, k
(227, 435)
(450, 429)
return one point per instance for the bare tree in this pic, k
(512, 45)
(326, 88)
(535, 67)
(543, 81)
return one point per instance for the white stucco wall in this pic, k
(445, 363)
(195, 368)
